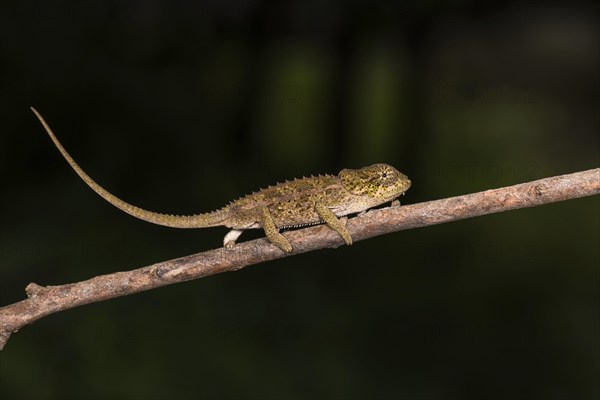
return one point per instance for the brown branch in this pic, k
(47, 300)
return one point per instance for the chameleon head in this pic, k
(378, 181)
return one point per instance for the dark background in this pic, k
(180, 107)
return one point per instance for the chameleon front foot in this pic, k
(338, 225)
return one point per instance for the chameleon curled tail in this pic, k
(215, 218)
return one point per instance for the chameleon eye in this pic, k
(384, 174)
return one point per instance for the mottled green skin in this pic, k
(313, 200)
(300, 202)
(292, 204)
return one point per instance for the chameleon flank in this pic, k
(292, 204)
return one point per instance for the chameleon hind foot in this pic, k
(273, 233)
(231, 237)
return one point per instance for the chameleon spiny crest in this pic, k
(292, 204)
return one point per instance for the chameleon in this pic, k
(296, 203)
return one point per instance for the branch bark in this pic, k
(46, 300)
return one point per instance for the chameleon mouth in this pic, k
(402, 192)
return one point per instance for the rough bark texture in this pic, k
(45, 300)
